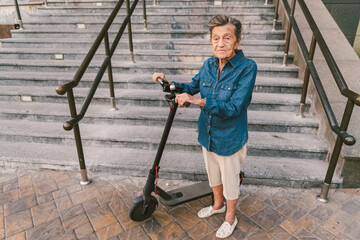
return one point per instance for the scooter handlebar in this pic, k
(167, 87)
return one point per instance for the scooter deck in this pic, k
(187, 194)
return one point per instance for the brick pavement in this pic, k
(48, 204)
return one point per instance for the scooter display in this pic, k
(143, 206)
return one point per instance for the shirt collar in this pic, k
(235, 61)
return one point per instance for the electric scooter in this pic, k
(143, 206)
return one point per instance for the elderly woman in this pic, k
(225, 83)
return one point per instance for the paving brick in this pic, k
(108, 197)
(63, 203)
(73, 188)
(290, 226)
(261, 235)
(101, 217)
(245, 228)
(305, 235)
(184, 216)
(333, 227)
(216, 220)
(171, 232)
(353, 230)
(309, 222)
(151, 225)
(126, 222)
(260, 195)
(18, 222)
(342, 236)
(292, 210)
(10, 196)
(251, 205)
(323, 212)
(26, 191)
(105, 188)
(196, 205)
(118, 207)
(199, 230)
(19, 205)
(352, 207)
(70, 235)
(46, 186)
(280, 234)
(322, 233)
(60, 193)
(109, 231)
(75, 222)
(268, 218)
(45, 198)
(19, 236)
(84, 230)
(72, 212)
(44, 212)
(93, 203)
(25, 181)
(134, 233)
(85, 195)
(47, 230)
(162, 217)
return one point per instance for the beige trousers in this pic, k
(225, 170)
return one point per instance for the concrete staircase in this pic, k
(283, 149)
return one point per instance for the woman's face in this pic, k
(224, 42)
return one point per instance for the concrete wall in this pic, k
(349, 64)
(346, 14)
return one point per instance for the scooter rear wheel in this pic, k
(136, 212)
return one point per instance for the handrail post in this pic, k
(276, 15)
(307, 76)
(288, 33)
(322, 197)
(18, 14)
(130, 32)
(110, 75)
(80, 152)
(144, 13)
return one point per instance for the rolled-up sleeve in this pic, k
(193, 87)
(240, 98)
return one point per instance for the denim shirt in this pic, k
(222, 122)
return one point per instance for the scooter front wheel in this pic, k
(137, 211)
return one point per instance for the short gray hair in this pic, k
(221, 20)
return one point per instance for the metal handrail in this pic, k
(19, 19)
(353, 98)
(68, 87)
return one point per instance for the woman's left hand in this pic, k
(181, 99)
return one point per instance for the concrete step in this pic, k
(99, 3)
(270, 70)
(138, 81)
(164, 17)
(264, 121)
(142, 97)
(137, 162)
(270, 144)
(140, 34)
(224, 9)
(159, 44)
(97, 25)
(143, 55)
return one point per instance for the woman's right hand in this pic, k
(160, 75)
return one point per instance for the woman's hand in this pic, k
(181, 99)
(160, 75)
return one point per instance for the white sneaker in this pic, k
(226, 229)
(209, 211)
